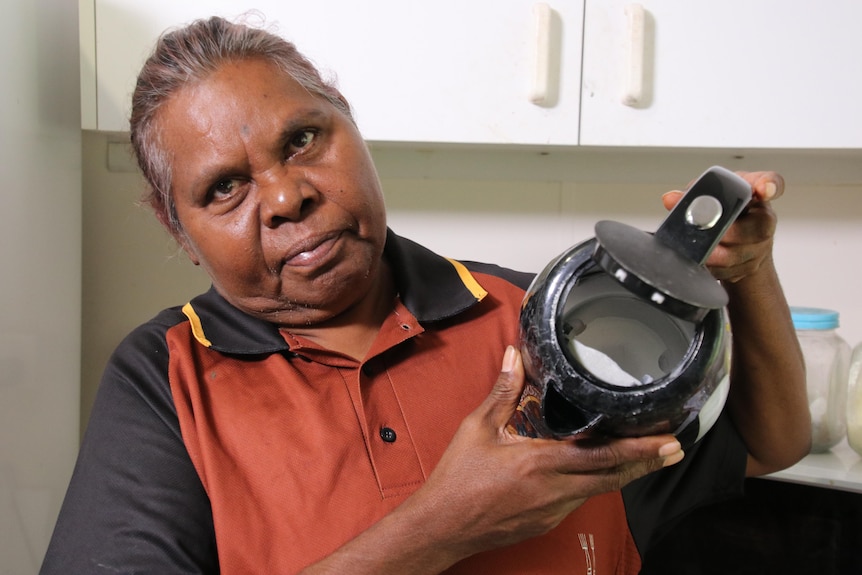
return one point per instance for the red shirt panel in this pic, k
(290, 451)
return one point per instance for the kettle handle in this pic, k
(712, 203)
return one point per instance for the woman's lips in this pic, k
(311, 251)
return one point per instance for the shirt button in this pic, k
(387, 434)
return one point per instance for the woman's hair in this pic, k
(190, 54)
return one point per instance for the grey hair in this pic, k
(190, 54)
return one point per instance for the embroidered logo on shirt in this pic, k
(588, 544)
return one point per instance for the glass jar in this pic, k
(827, 359)
(854, 401)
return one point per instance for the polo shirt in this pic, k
(221, 443)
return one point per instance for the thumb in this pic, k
(506, 393)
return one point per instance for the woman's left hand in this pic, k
(747, 244)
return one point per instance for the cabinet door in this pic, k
(443, 71)
(737, 73)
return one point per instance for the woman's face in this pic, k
(276, 194)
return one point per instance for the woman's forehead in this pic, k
(235, 99)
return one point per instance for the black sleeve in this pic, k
(135, 503)
(713, 470)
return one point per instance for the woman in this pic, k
(335, 403)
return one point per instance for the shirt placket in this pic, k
(396, 464)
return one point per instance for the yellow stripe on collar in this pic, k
(197, 328)
(469, 281)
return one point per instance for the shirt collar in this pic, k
(431, 287)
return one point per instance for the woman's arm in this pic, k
(135, 503)
(767, 400)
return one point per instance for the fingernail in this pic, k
(769, 190)
(673, 459)
(669, 448)
(509, 359)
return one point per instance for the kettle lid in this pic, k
(667, 268)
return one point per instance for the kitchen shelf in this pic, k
(838, 468)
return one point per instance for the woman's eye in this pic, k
(302, 140)
(223, 188)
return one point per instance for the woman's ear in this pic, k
(177, 233)
(184, 242)
(191, 256)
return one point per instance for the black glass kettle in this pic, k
(626, 334)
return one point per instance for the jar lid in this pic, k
(813, 318)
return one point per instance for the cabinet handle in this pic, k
(633, 84)
(540, 93)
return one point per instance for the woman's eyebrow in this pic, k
(298, 120)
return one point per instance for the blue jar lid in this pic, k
(813, 318)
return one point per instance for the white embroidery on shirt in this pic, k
(588, 544)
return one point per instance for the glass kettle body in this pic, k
(626, 334)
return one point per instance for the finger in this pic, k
(765, 186)
(503, 399)
(599, 455)
(756, 224)
(610, 466)
(671, 199)
(733, 262)
(621, 476)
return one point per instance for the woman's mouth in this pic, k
(311, 251)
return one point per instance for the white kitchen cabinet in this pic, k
(443, 71)
(740, 74)
(736, 73)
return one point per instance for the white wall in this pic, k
(132, 268)
(40, 255)
(516, 207)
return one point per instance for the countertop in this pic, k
(838, 468)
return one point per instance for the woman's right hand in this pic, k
(493, 488)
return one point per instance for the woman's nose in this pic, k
(285, 198)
